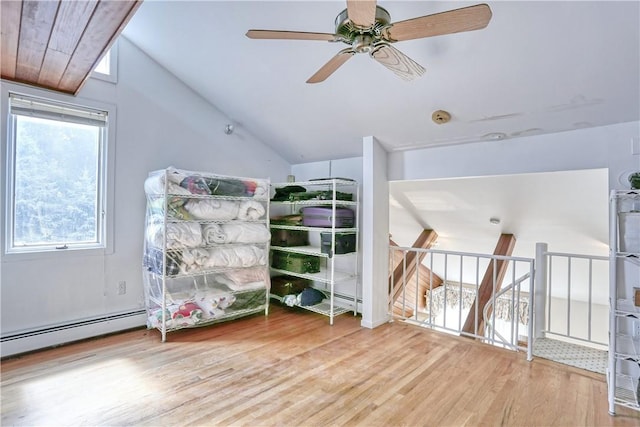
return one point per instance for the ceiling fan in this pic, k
(367, 28)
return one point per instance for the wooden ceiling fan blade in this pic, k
(362, 12)
(405, 67)
(334, 63)
(289, 35)
(453, 21)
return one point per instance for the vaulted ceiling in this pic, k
(538, 67)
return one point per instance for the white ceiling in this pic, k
(538, 67)
(566, 210)
(554, 208)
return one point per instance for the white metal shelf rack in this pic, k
(624, 322)
(329, 274)
(167, 284)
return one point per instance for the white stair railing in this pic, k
(514, 288)
(567, 308)
(461, 274)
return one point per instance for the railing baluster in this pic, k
(590, 294)
(569, 296)
(532, 299)
(431, 289)
(493, 312)
(446, 279)
(549, 286)
(460, 304)
(513, 306)
(391, 302)
(404, 278)
(417, 290)
(475, 331)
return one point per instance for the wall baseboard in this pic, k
(36, 339)
(375, 323)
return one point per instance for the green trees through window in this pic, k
(57, 194)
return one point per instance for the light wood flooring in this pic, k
(293, 369)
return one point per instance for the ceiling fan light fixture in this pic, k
(347, 29)
(367, 28)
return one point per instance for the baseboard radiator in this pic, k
(34, 339)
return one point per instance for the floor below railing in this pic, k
(575, 355)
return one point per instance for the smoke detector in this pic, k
(440, 117)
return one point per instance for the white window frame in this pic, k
(107, 176)
(112, 57)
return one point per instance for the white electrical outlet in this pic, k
(122, 287)
(636, 329)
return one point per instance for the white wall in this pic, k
(339, 168)
(160, 122)
(592, 148)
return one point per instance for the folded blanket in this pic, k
(179, 235)
(153, 260)
(212, 209)
(175, 175)
(246, 278)
(213, 234)
(154, 184)
(229, 187)
(251, 299)
(213, 304)
(261, 190)
(175, 208)
(194, 260)
(250, 210)
(196, 185)
(177, 315)
(239, 256)
(184, 234)
(245, 233)
(256, 188)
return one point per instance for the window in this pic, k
(104, 66)
(56, 194)
(107, 68)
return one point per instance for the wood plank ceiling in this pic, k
(56, 44)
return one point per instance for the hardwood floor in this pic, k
(293, 369)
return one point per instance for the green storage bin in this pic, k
(296, 263)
